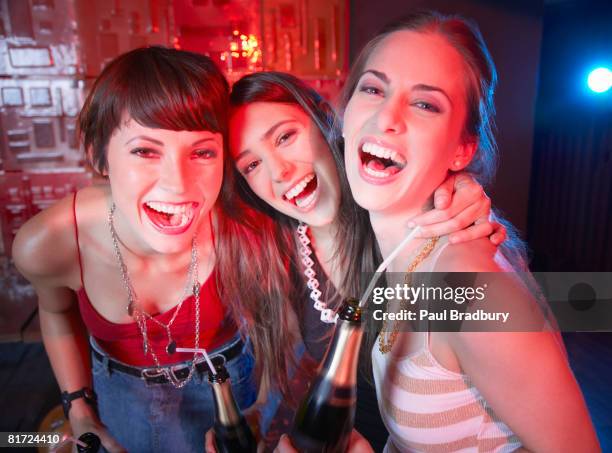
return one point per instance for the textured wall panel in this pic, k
(39, 38)
(106, 29)
(37, 117)
(25, 194)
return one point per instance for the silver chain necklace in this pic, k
(141, 316)
(327, 314)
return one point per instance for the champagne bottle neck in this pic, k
(340, 363)
(227, 411)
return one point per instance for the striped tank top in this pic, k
(428, 408)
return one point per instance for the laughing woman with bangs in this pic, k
(130, 266)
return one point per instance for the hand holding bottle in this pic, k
(357, 444)
(89, 422)
(252, 416)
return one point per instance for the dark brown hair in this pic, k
(273, 274)
(177, 90)
(158, 87)
(278, 87)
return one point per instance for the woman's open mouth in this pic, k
(170, 218)
(378, 163)
(304, 193)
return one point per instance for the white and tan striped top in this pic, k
(428, 408)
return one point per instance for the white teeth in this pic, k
(184, 208)
(379, 151)
(179, 220)
(375, 173)
(299, 187)
(300, 203)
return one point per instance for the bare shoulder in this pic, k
(474, 256)
(45, 248)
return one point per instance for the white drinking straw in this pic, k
(67, 439)
(383, 266)
(203, 352)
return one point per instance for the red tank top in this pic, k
(124, 342)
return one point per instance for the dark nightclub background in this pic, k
(555, 136)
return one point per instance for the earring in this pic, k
(457, 163)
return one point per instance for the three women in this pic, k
(407, 126)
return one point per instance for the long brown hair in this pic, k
(276, 262)
(258, 287)
(278, 87)
(481, 79)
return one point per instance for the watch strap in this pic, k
(86, 393)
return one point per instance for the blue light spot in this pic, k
(600, 80)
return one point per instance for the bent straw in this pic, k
(203, 352)
(65, 440)
(383, 266)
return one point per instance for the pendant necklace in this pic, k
(141, 316)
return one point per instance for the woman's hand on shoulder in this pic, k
(461, 209)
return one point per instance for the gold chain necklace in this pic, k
(386, 344)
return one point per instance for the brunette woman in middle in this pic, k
(285, 141)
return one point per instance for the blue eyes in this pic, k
(422, 105)
(427, 106)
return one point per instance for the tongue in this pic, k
(305, 194)
(175, 219)
(375, 164)
(165, 219)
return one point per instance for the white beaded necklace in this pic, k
(327, 315)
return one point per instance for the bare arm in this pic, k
(527, 381)
(524, 376)
(45, 253)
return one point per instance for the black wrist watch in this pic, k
(86, 393)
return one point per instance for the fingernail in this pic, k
(452, 240)
(411, 224)
(440, 199)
